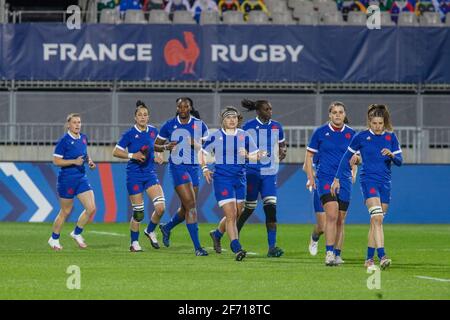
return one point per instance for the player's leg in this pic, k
(137, 202)
(251, 201)
(187, 196)
(371, 193)
(384, 260)
(340, 236)
(343, 202)
(331, 207)
(221, 189)
(217, 234)
(319, 227)
(87, 199)
(156, 194)
(230, 207)
(179, 177)
(66, 207)
(269, 197)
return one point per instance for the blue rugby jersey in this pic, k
(226, 148)
(174, 130)
(375, 166)
(136, 140)
(69, 147)
(328, 147)
(267, 136)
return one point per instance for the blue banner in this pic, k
(28, 193)
(225, 53)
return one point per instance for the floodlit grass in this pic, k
(29, 269)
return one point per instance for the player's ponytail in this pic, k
(139, 105)
(381, 111)
(249, 105)
(253, 105)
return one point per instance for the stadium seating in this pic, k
(302, 5)
(332, 18)
(356, 18)
(277, 6)
(134, 16)
(183, 17)
(257, 17)
(430, 19)
(233, 17)
(407, 19)
(159, 17)
(109, 16)
(447, 19)
(307, 18)
(281, 18)
(386, 19)
(209, 17)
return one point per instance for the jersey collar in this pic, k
(74, 138)
(140, 131)
(270, 121)
(331, 128)
(179, 121)
(373, 133)
(230, 134)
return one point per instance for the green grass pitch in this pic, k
(29, 269)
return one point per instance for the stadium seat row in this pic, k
(298, 16)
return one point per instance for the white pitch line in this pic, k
(431, 278)
(108, 233)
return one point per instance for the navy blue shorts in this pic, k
(228, 189)
(317, 203)
(138, 184)
(68, 187)
(183, 173)
(324, 187)
(372, 189)
(266, 185)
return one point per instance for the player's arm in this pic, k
(161, 145)
(282, 150)
(90, 162)
(60, 162)
(120, 153)
(396, 155)
(309, 170)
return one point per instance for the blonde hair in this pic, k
(381, 111)
(230, 108)
(69, 117)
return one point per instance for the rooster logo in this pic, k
(175, 53)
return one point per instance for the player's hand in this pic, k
(170, 146)
(335, 186)
(91, 164)
(282, 154)
(261, 154)
(243, 152)
(387, 152)
(79, 161)
(208, 175)
(139, 156)
(310, 185)
(355, 160)
(159, 159)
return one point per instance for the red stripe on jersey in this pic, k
(109, 195)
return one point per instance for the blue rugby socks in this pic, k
(193, 232)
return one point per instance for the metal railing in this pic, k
(414, 141)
